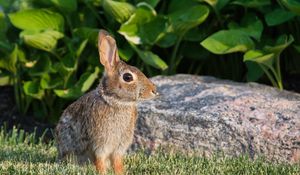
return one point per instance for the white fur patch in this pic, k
(114, 101)
(66, 118)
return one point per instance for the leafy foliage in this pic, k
(48, 47)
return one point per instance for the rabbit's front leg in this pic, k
(100, 165)
(117, 163)
(116, 157)
(101, 155)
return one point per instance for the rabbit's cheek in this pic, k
(127, 91)
(145, 94)
(149, 90)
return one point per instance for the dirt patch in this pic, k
(10, 116)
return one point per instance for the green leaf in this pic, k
(252, 3)
(120, 11)
(85, 82)
(81, 48)
(5, 4)
(126, 52)
(42, 66)
(250, 25)
(269, 56)
(63, 70)
(175, 5)
(72, 93)
(151, 59)
(266, 62)
(297, 47)
(195, 34)
(5, 80)
(216, 4)
(69, 63)
(144, 26)
(167, 40)
(227, 41)
(41, 27)
(21, 56)
(153, 3)
(5, 46)
(45, 40)
(93, 58)
(32, 89)
(278, 16)
(87, 33)
(37, 19)
(254, 72)
(67, 5)
(282, 42)
(3, 26)
(48, 82)
(260, 57)
(184, 20)
(152, 31)
(9, 62)
(292, 5)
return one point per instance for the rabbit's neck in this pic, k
(112, 100)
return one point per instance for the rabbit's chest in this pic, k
(117, 125)
(120, 122)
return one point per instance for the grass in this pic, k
(22, 154)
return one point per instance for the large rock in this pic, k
(205, 115)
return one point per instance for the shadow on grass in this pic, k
(26, 153)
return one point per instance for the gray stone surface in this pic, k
(205, 115)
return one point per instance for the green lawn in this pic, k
(18, 155)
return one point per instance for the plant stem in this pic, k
(172, 69)
(49, 99)
(69, 23)
(150, 72)
(55, 55)
(279, 80)
(269, 76)
(45, 111)
(18, 90)
(27, 101)
(66, 79)
(219, 20)
(96, 14)
(17, 94)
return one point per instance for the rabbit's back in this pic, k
(71, 133)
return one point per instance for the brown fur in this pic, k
(99, 126)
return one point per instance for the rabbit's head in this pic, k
(121, 81)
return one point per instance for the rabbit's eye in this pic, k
(127, 77)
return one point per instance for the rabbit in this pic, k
(99, 126)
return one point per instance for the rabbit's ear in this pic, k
(108, 50)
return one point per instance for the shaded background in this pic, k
(49, 57)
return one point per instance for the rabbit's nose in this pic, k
(155, 92)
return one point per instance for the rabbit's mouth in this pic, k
(157, 94)
(148, 96)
